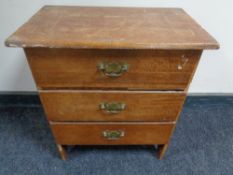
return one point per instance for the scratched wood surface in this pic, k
(121, 28)
(77, 68)
(64, 46)
(85, 105)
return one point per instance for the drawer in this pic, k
(112, 69)
(79, 105)
(111, 133)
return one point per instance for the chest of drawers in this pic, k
(112, 76)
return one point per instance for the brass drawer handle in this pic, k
(113, 108)
(113, 134)
(113, 69)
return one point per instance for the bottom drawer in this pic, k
(111, 133)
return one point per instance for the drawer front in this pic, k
(108, 69)
(111, 105)
(110, 134)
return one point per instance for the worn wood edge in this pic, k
(189, 94)
(39, 88)
(11, 41)
(112, 123)
(113, 91)
(216, 44)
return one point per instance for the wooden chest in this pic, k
(112, 76)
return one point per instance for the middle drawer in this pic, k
(112, 105)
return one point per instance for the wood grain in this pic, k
(77, 68)
(64, 46)
(91, 133)
(85, 105)
(105, 27)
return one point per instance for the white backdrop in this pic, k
(215, 71)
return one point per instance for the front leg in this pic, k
(62, 151)
(161, 149)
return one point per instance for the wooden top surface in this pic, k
(113, 28)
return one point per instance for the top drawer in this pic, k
(112, 69)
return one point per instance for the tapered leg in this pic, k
(62, 152)
(161, 151)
